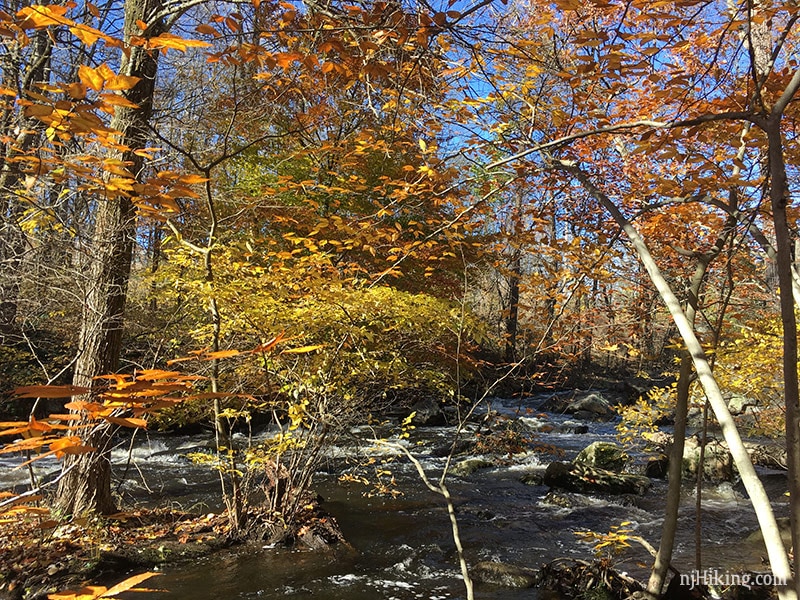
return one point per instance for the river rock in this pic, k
(738, 404)
(533, 477)
(429, 413)
(657, 467)
(497, 573)
(467, 467)
(591, 407)
(785, 528)
(577, 477)
(603, 455)
(557, 403)
(581, 579)
(561, 499)
(717, 461)
(768, 455)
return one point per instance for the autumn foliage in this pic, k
(316, 212)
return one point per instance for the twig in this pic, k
(18, 498)
(442, 490)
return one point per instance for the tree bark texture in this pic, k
(87, 486)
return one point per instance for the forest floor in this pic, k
(39, 557)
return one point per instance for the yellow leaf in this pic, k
(303, 349)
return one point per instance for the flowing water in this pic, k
(403, 547)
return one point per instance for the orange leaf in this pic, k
(268, 346)
(121, 82)
(16, 430)
(90, 592)
(127, 422)
(76, 91)
(157, 374)
(50, 391)
(91, 78)
(33, 443)
(192, 179)
(168, 40)
(88, 35)
(59, 417)
(221, 354)
(208, 29)
(83, 405)
(38, 110)
(129, 583)
(62, 445)
(117, 100)
(38, 16)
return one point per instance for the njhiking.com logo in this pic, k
(724, 579)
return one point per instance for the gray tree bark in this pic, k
(25, 78)
(87, 484)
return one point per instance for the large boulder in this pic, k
(603, 455)
(738, 404)
(785, 528)
(497, 573)
(591, 407)
(717, 462)
(577, 477)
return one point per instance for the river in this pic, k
(403, 546)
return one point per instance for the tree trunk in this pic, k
(512, 317)
(12, 239)
(779, 197)
(87, 484)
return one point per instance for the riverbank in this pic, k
(39, 557)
